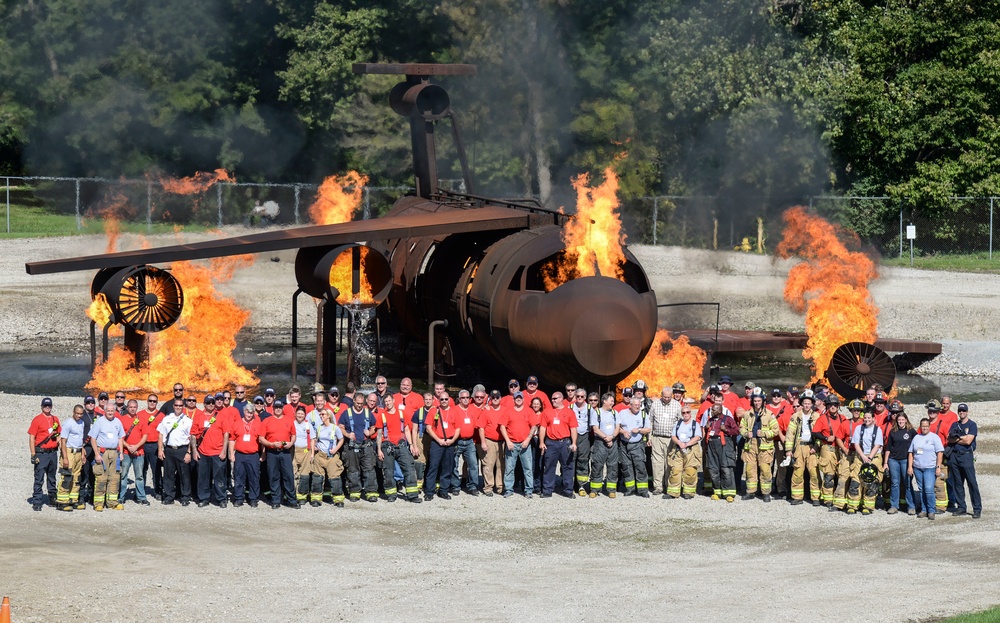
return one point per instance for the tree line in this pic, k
(755, 103)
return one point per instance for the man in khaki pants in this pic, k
(663, 415)
(684, 457)
(106, 436)
(71, 463)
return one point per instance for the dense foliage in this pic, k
(755, 103)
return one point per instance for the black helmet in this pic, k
(896, 407)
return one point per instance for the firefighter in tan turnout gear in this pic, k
(759, 428)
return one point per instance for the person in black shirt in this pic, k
(896, 449)
(962, 440)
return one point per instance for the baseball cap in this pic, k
(495, 393)
(270, 391)
(726, 379)
(963, 407)
(714, 389)
(46, 402)
(775, 392)
(279, 403)
(89, 400)
(749, 385)
(518, 395)
(103, 395)
(219, 395)
(532, 379)
(335, 390)
(209, 399)
(627, 391)
(259, 399)
(513, 383)
(679, 387)
(793, 389)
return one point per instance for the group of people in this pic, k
(574, 443)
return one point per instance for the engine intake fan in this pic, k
(856, 366)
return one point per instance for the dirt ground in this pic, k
(488, 558)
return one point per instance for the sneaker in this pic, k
(921, 515)
(930, 516)
(144, 502)
(767, 497)
(892, 511)
(506, 494)
(612, 495)
(911, 511)
(117, 507)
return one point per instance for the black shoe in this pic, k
(688, 496)
(795, 502)
(36, 507)
(275, 506)
(202, 504)
(472, 492)
(545, 495)
(629, 492)
(237, 504)
(767, 497)
(455, 492)
(222, 504)
(415, 499)
(185, 502)
(391, 498)
(253, 503)
(165, 502)
(371, 499)
(315, 503)
(143, 502)
(976, 515)
(339, 504)
(444, 496)
(568, 495)
(748, 497)
(816, 503)
(428, 498)
(488, 494)
(295, 505)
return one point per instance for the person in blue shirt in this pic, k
(924, 462)
(71, 462)
(961, 463)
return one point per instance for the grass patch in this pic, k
(987, 616)
(971, 263)
(34, 221)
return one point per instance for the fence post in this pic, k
(8, 205)
(149, 207)
(900, 231)
(991, 228)
(367, 212)
(79, 221)
(297, 190)
(656, 207)
(218, 201)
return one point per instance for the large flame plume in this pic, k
(197, 350)
(341, 278)
(334, 203)
(594, 238)
(830, 285)
(670, 361)
(197, 183)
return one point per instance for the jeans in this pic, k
(138, 465)
(925, 480)
(897, 471)
(466, 449)
(512, 456)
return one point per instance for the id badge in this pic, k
(109, 434)
(246, 437)
(553, 421)
(445, 425)
(919, 452)
(468, 421)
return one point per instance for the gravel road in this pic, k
(487, 558)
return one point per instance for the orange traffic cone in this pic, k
(5, 610)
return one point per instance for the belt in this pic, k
(106, 449)
(247, 453)
(75, 450)
(175, 447)
(45, 450)
(556, 440)
(665, 436)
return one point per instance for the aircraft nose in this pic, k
(606, 337)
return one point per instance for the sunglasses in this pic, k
(513, 385)
(240, 393)
(178, 390)
(380, 382)
(152, 400)
(120, 397)
(190, 400)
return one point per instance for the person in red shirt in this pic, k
(557, 442)
(847, 454)
(491, 444)
(278, 438)
(442, 427)
(151, 417)
(407, 401)
(133, 452)
(466, 418)
(513, 387)
(531, 392)
(43, 443)
(743, 404)
(517, 426)
(826, 431)
(211, 429)
(940, 424)
(246, 455)
(626, 400)
(395, 445)
(729, 400)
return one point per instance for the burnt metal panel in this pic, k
(743, 341)
(386, 228)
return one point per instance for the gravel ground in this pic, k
(489, 558)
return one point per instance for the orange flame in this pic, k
(99, 310)
(333, 203)
(341, 278)
(593, 237)
(197, 349)
(830, 285)
(197, 183)
(670, 361)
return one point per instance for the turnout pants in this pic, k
(327, 469)
(360, 462)
(805, 461)
(46, 466)
(493, 466)
(301, 470)
(68, 491)
(684, 467)
(781, 474)
(757, 464)
(399, 455)
(722, 466)
(859, 494)
(632, 456)
(106, 479)
(659, 448)
(279, 468)
(557, 454)
(584, 444)
(828, 460)
(840, 499)
(465, 450)
(246, 477)
(211, 479)
(603, 458)
(440, 464)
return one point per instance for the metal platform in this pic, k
(746, 341)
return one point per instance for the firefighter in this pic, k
(358, 427)
(684, 456)
(305, 450)
(721, 430)
(584, 408)
(759, 428)
(395, 445)
(634, 423)
(798, 444)
(71, 453)
(867, 442)
(840, 500)
(106, 438)
(327, 468)
(825, 433)
(604, 452)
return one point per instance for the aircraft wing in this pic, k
(405, 226)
